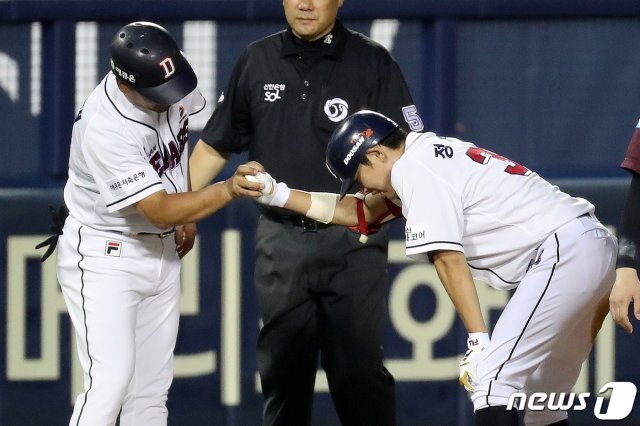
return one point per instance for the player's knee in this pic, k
(114, 385)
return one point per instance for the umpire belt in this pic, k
(297, 220)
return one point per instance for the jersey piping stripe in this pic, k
(553, 270)
(134, 194)
(86, 329)
(493, 272)
(128, 118)
(434, 242)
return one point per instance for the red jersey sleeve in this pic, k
(632, 158)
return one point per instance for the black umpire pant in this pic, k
(321, 291)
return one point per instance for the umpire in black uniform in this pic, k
(320, 290)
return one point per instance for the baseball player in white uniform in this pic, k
(119, 254)
(477, 215)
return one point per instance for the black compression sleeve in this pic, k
(629, 235)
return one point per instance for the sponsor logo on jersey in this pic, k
(336, 109)
(413, 233)
(328, 39)
(357, 141)
(113, 248)
(272, 91)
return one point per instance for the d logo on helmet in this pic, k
(169, 68)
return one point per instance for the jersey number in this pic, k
(482, 156)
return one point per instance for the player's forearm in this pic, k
(205, 163)
(168, 210)
(344, 213)
(456, 278)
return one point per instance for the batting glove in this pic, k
(274, 193)
(477, 344)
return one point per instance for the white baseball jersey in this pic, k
(146, 153)
(456, 196)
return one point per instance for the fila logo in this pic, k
(113, 248)
(169, 68)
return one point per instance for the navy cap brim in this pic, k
(173, 90)
(346, 186)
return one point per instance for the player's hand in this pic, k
(239, 186)
(273, 193)
(185, 238)
(477, 344)
(625, 290)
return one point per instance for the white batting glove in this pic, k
(477, 344)
(274, 193)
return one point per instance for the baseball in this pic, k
(264, 178)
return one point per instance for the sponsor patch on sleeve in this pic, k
(127, 182)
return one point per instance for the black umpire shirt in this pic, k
(286, 96)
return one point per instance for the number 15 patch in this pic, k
(113, 248)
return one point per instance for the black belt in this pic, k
(298, 220)
(155, 234)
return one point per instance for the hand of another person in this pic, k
(477, 344)
(185, 238)
(625, 290)
(239, 185)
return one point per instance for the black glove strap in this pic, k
(57, 217)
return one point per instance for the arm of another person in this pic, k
(455, 276)
(165, 210)
(626, 289)
(205, 163)
(325, 207)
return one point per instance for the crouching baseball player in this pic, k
(120, 248)
(478, 215)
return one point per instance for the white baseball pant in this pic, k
(547, 329)
(122, 293)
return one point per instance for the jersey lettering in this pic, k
(168, 156)
(444, 151)
(482, 156)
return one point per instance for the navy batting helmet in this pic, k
(146, 56)
(351, 140)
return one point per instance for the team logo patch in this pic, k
(336, 109)
(272, 91)
(113, 248)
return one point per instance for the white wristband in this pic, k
(281, 195)
(323, 206)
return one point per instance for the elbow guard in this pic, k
(323, 206)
